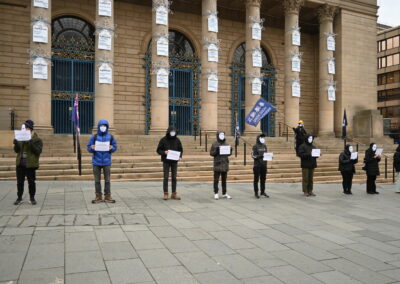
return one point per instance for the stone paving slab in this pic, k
(288, 238)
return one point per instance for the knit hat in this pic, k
(29, 124)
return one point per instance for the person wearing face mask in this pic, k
(101, 160)
(221, 164)
(347, 168)
(260, 166)
(371, 162)
(396, 164)
(28, 154)
(308, 165)
(300, 135)
(170, 142)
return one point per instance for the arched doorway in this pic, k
(238, 74)
(73, 63)
(184, 85)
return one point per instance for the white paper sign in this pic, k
(379, 151)
(105, 74)
(22, 135)
(105, 39)
(40, 32)
(331, 67)
(296, 38)
(102, 146)
(257, 59)
(256, 31)
(173, 155)
(296, 64)
(212, 53)
(354, 156)
(162, 16)
(296, 90)
(256, 86)
(41, 3)
(331, 93)
(268, 156)
(224, 150)
(212, 23)
(105, 8)
(213, 83)
(162, 78)
(162, 46)
(330, 43)
(316, 153)
(39, 68)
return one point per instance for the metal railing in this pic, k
(12, 119)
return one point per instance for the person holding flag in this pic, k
(300, 135)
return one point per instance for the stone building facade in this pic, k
(134, 104)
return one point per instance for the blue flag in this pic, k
(261, 109)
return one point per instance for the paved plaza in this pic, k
(288, 238)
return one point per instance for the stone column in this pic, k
(292, 104)
(159, 96)
(209, 100)
(40, 89)
(104, 93)
(252, 14)
(326, 14)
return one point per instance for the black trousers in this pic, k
(347, 181)
(174, 170)
(371, 186)
(30, 174)
(260, 174)
(224, 176)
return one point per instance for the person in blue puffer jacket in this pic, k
(102, 160)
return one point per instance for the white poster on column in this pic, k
(296, 64)
(331, 93)
(162, 15)
(296, 91)
(257, 59)
(105, 40)
(212, 52)
(162, 46)
(331, 67)
(256, 31)
(41, 3)
(105, 8)
(296, 38)
(256, 86)
(162, 78)
(105, 74)
(212, 23)
(331, 43)
(40, 32)
(213, 83)
(39, 68)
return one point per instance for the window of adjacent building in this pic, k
(389, 60)
(396, 59)
(396, 41)
(389, 43)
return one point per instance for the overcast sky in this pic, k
(389, 12)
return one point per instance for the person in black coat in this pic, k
(371, 161)
(300, 135)
(347, 168)
(170, 142)
(396, 164)
(308, 165)
(260, 166)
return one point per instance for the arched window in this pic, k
(239, 56)
(179, 45)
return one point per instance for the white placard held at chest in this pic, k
(379, 151)
(225, 150)
(40, 32)
(162, 78)
(212, 22)
(105, 8)
(256, 86)
(162, 15)
(296, 64)
(173, 155)
(256, 31)
(105, 40)
(257, 58)
(102, 146)
(213, 83)
(162, 46)
(331, 43)
(105, 74)
(354, 156)
(296, 89)
(316, 153)
(212, 53)
(22, 135)
(39, 69)
(331, 67)
(296, 38)
(268, 156)
(41, 3)
(331, 93)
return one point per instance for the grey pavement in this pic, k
(288, 238)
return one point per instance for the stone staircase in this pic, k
(136, 160)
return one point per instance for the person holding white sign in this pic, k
(27, 162)
(371, 166)
(170, 149)
(260, 165)
(221, 151)
(308, 165)
(347, 160)
(102, 145)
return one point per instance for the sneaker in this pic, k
(264, 195)
(227, 196)
(306, 194)
(18, 201)
(256, 196)
(376, 192)
(33, 201)
(216, 196)
(312, 194)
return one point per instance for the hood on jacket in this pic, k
(218, 133)
(258, 138)
(308, 136)
(172, 128)
(347, 149)
(102, 122)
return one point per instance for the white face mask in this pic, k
(103, 128)
(262, 140)
(374, 147)
(301, 124)
(172, 133)
(351, 149)
(221, 136)
(23, 127)
(310, 140)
